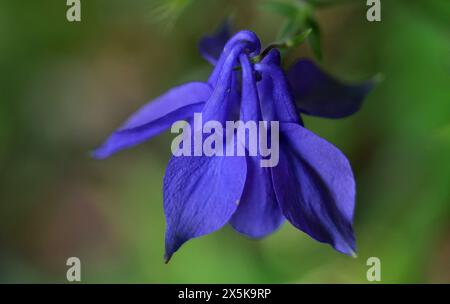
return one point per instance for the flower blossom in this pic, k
(312, 187)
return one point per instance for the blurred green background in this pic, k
(65, 86)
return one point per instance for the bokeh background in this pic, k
(65, 86)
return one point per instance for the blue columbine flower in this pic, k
(312, 186)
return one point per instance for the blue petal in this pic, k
(250, 108)
(202, 193)
(272, 57)
(279, 93)
(318, 94)
(315, 187)
(177, 104)
(200, 196)
(266, 87)
(211, 46)
(313, 181)
(222, 77)
(258, 213)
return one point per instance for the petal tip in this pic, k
(348, 248)
(99, 154)
(167, 258)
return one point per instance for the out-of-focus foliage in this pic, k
(65, 86)
(168, 11)
(299, 18)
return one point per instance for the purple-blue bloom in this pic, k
(312, 186)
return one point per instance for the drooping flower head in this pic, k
(312, 186)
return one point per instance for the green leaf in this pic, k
(289, 27)
(298, 39)
(287, 43)
(314, 39)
